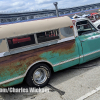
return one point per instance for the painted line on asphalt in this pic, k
(89, 94)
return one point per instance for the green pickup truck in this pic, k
(33, 50)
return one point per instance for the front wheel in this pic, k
(39, 75)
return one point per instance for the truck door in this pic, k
(90, 40)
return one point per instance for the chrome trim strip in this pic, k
(66, 61)
(81, 56)
(11, 79)
(66, 39)
(91, 53)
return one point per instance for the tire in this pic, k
(39, 75)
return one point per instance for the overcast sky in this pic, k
(29, 5)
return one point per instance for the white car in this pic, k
(97, 24)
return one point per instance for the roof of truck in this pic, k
(24, 28)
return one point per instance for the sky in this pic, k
(34, 5)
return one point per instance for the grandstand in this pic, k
(7, 18)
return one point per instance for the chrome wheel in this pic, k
(40, 75)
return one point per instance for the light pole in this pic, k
(55, 4)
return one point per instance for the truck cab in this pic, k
(88, 39)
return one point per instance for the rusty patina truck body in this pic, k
(32, 50)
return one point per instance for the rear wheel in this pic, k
(39, 75)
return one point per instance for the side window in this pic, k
(21, 41)
(47, 36)
(85, 27)
(67, 31)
